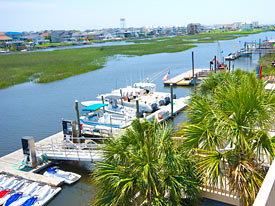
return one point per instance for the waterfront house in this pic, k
(37, 39)
(247, 26)
(4, 38)
(59, 36)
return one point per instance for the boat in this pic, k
(8, 183)
(245, 53)
(68, 177)
(45, 194)
(13, 198)
(117, 109)
(115, 99)
(187, 81)
(31, 201)
(145, 92)
(3, 193)
(17, 192)
(96, 116)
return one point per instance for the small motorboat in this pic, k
(3, 193)
(19, 191)
(13, 198)
(31, 201)
(45, 194)
(8, 183)
(68, 177)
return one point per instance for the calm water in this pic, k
(31, 109)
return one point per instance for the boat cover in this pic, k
(94, 107)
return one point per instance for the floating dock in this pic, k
(9, 164)
(185, 79)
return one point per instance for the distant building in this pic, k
(15, 35)
(193, 28)
(237, 25)
(4, 38)
(56, 36)
(45, 34)
(36, 39)
(247, 26)
(255, 24)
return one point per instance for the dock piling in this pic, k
(121, 96)
(102, 99)
(172, 104)
(193, 68)
(77, 116)
(137, 107)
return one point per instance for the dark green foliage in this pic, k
(229, 120)
(145, 167)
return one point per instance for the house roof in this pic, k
(4, 37)
(45, 34)
(13, 33)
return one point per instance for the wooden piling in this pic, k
(171, 94)
(137, 107)
(77, 116)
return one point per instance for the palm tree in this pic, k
(227, 129)
(145, 167)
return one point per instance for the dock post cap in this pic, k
(75, 100)
(171, 84)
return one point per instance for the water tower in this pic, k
(122, 24)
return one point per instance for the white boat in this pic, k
(149, 99)
(68, 177)
(96, 116)
(230, 56)
(126, 105)
(45, 194)
(88, 103)
(15, 192)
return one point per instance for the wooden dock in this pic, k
(9, 163)
(185, 79)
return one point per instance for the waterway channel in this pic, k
(31, 109)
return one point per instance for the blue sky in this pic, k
(26, 15)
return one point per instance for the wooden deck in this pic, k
(8, 164)
(185, 77)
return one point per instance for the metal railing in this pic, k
(68, 150)
(266, 195)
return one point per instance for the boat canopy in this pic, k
(144, 85)
(94, 107)
(112, 96)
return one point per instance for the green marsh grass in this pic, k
(56, 65)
